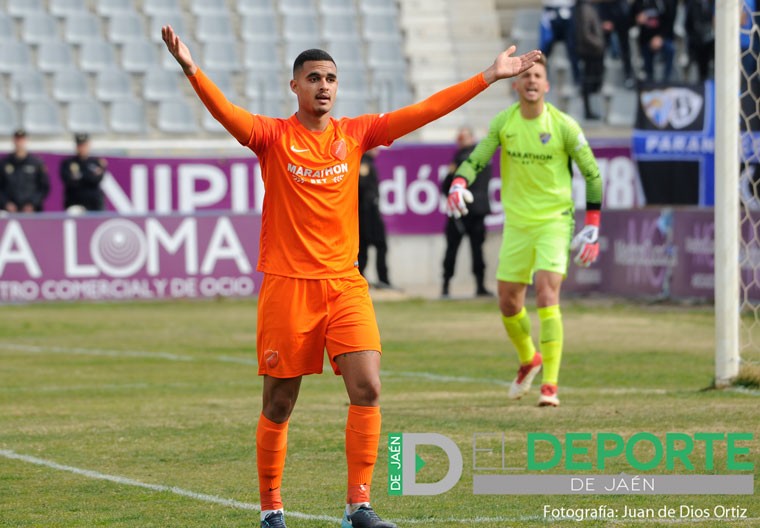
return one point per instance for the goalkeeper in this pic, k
(537, 144)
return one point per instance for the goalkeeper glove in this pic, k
(587, 240)
(459, 197)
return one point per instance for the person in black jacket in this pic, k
(473, 224)
(371, 224)
(24, 182)
(81, 175)
(655, 20)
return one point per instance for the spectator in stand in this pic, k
(589, 38)
(655, 19)
(700, 33)
(371, 224)
(558, 25)
(616, 23)
(473, 224)
(81, 175)
(24, 183)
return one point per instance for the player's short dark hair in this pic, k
(310, 55)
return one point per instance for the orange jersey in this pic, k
(309, 226)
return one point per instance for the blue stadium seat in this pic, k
(161, 7)
(28, 86)
(112, 85)
(22, 8)
(378, 7)
(96, 55)
(340, 7)
(65, 8)
(138, 56)
(54, 56)
(14, 56)
(128, 117)
(222, 56)
(381, 26)
(299, 26)
(160, 85)
(110, 8)
(297, 6)
(338, 26)
(82, 27)
(260, 28)
(86, 116)
(261, 56)
(176, 117)
(125, 28)
(347, 52)
(39, 27)
(70, 85)
(7, 32)
(264, 85)
(255, 7)
(8, 118)
(42, 117)
(208, 7)
(215, 28)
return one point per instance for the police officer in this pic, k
(371, 224)
(24, 180)
(473, 224)
(81, 175)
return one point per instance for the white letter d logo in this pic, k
(409, 462)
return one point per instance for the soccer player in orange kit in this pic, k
(312, 297)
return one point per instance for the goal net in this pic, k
(749, 192)
(737, 193)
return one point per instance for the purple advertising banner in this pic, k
(664, 252)
(410, 178)
(104, 257)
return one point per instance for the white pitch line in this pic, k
(125, 481)
(35, 349)
(240, 505)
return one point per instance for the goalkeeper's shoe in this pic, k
(525, 374)
(274, 520)
(548, 396)
(364, 517)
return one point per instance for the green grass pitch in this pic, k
(162, 395)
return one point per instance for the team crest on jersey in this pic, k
(338, 149)
(544, 137)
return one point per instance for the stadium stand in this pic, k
(389, 53)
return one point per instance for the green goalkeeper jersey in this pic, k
(536, 169)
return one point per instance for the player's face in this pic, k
(316, 85)
(532, 84)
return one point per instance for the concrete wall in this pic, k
(415, 265)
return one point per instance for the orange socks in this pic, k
(271, 447)
(362, 439)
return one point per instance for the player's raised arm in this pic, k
(237, 120)
(412, 117)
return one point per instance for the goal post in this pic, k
(727, 168)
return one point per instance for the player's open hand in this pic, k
(459, 197)
(506, 65)
(179, 50)
(587, 241)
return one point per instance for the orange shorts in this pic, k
(298, 319)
